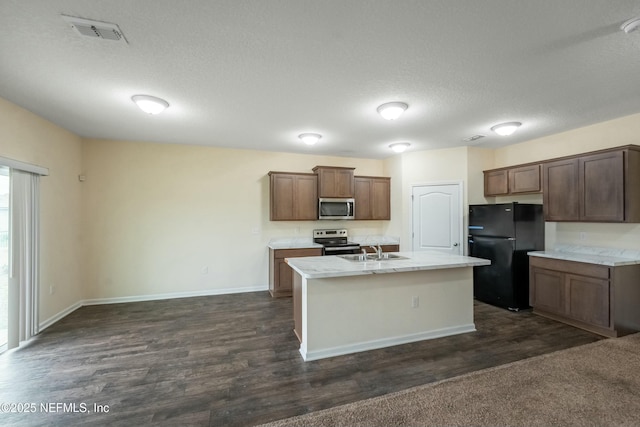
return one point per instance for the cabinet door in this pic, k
(363, 198)
(335, 182)
(284, 275)
(293, 197)
(344, 183)
(547, 289)
(282, 194)
(381, 198)
(306, 198)
(496, 183)
(373, 197)
(602, 187)
(524, 179)
(280, 274)
(587, 300)
(561, 190)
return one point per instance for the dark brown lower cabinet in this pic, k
(385, 248)
(280, 274)
(598, 298)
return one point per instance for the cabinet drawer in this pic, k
(294, 253)
(572, 267)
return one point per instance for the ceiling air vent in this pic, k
(473, 138)
(95, 29)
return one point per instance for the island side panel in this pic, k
(348, 314)
(297, 305)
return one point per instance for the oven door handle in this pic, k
(340, 248)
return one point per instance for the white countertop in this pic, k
(307, 242)
(375, 240)
(612, 257)
(292, 243)
(333, 266)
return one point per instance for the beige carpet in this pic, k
(596, 384)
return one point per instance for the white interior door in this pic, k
(437, 218)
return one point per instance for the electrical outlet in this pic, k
(583, 235)
(415, 302)
(52, 289)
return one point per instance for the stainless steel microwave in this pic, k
(336, 208)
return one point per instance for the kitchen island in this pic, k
(344, 306)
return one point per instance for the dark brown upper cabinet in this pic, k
(496, 183)
(560, 198)
(523, 179)
(293, 196)
(373, 197)
(602, 186)
(335, 182)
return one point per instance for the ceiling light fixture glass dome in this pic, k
(392, 110)
(150, 104)
(310, 138)
(631, 25)
(399, 147)
(506, 129)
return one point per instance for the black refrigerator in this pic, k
(504, 233)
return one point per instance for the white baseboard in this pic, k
(153, 297)
(173, 295)
(53, 319)
(385, 342)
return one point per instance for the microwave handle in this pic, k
(351, 207)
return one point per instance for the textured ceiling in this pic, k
(255, 74)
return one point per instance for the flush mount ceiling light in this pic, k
(392, 110)
(631, 25)
(399, 147)
(310, 138)
(150, 104)
(506, 129)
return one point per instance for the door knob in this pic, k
(455, 244)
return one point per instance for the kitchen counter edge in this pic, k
(334, 266)
(611, 261)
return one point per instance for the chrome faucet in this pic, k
(364, 254)
(378, 250)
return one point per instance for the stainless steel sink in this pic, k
(372, 257)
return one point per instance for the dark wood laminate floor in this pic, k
(233, 360)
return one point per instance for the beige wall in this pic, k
(31, 139)
(480, 159)
(393, 168)
(613, 133)
(158, 216)
(164, 219)
(421, 167)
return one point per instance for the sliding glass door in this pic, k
(4, 256)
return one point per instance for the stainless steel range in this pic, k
(335, 242)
